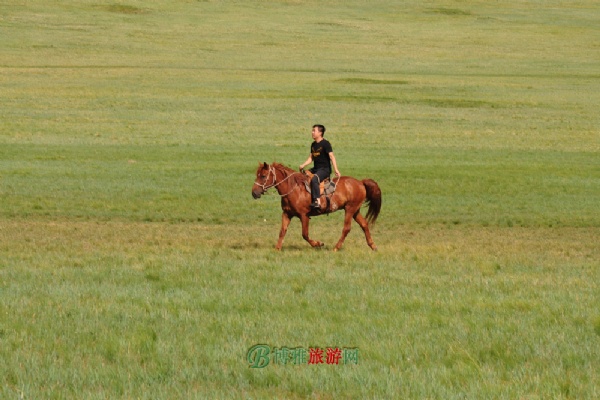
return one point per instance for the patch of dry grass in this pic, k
(467, 244)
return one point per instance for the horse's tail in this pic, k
(373, 200)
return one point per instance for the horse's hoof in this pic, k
(374, 248)
(335, 249)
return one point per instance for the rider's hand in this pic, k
(337, 173)
(301, 169)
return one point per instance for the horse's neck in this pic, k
(282, 176)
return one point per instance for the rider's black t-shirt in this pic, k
(320, 154)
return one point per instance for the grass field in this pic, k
(134, 262)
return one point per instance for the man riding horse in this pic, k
(350, 193)
(321, 154)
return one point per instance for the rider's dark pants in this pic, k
(318, 177)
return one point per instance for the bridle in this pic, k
(266, 187)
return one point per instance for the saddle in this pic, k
(326, 186)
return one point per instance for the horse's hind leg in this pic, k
(365, 227)
(313, 243)
(345, 230)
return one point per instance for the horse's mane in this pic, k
(297, 177)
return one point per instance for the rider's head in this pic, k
(319, 128)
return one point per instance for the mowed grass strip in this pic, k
(211, 184)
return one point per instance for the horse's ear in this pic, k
(265, 165)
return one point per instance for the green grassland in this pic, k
(134, 262)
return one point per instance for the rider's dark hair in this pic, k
(321, 129)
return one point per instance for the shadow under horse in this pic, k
(349, 195)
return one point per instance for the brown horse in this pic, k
(349, 195)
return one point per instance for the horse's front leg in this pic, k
(313, 243)
(285, 222)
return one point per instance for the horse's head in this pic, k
(265, 178)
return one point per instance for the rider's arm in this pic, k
(308, 161)
(335, 168)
